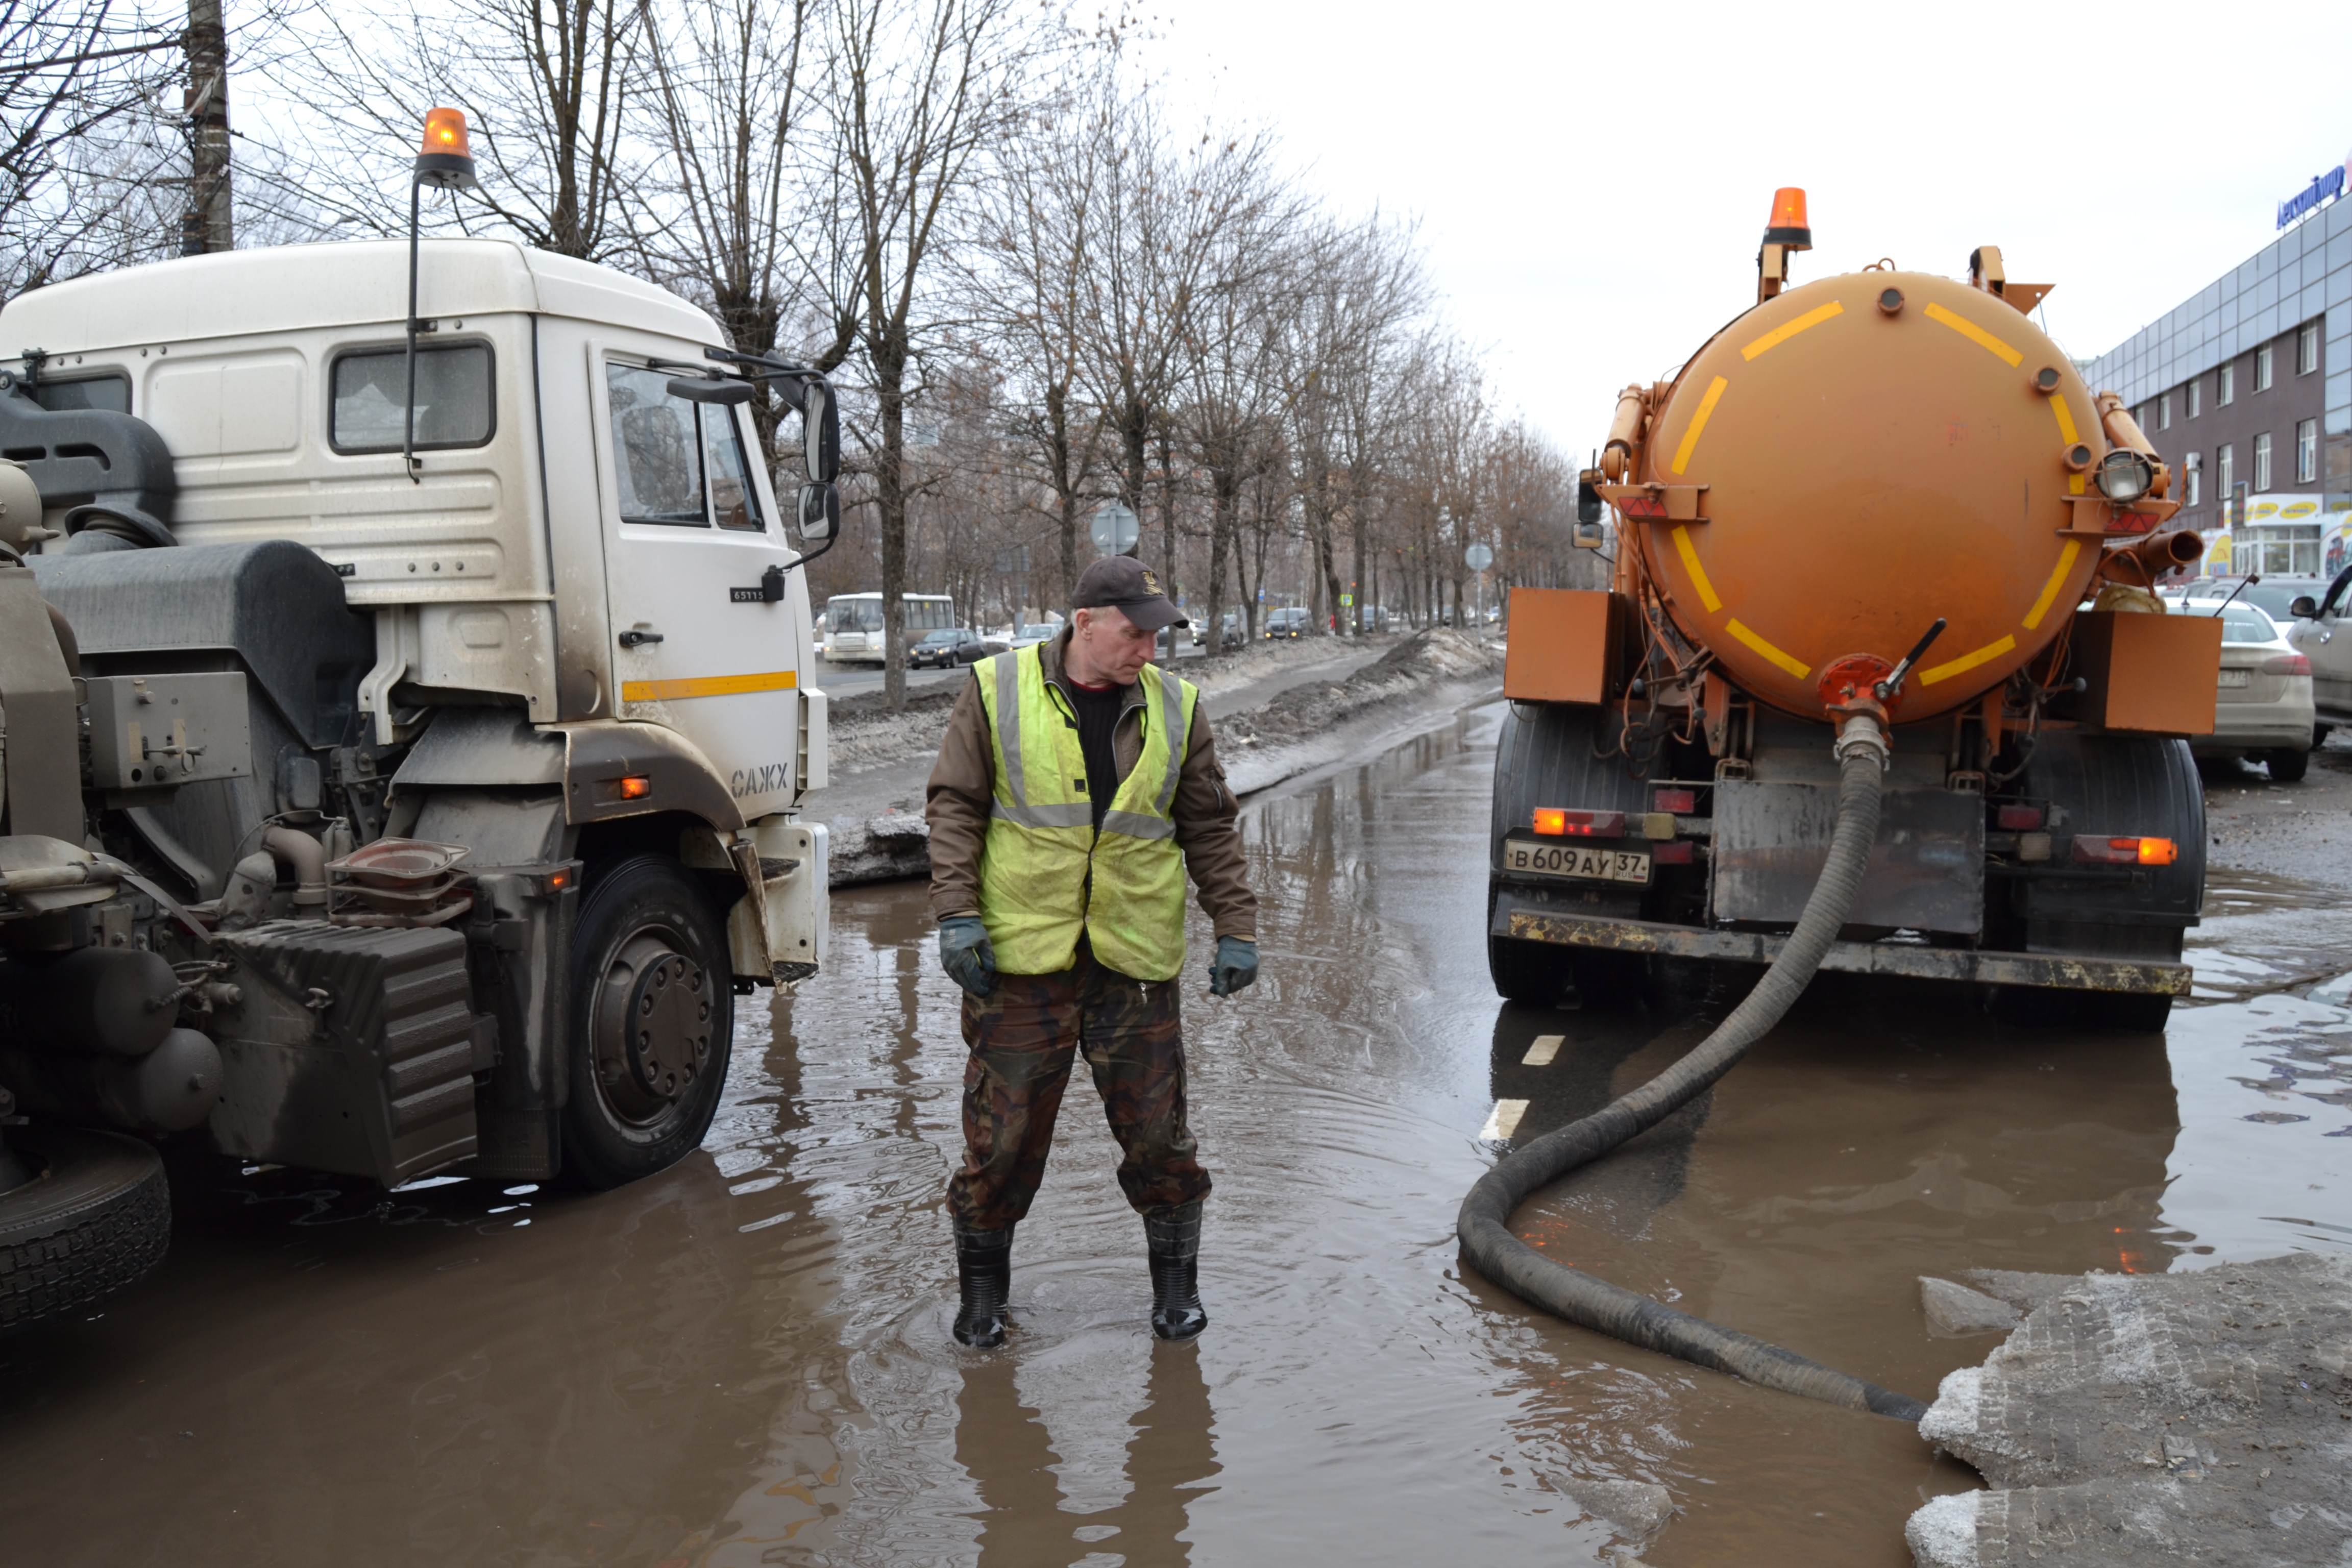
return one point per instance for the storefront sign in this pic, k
(2324, 187)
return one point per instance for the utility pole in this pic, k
(207, 225)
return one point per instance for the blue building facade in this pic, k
(2245, 388)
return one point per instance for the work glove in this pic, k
(965, 954)
(1235, 966)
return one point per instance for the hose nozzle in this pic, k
(1859, 735)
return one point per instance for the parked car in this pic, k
(1290, 622)
(951, 646)
(2263, 707)
(1036, 631)
(2322, 633)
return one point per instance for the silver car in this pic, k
(2262, 709)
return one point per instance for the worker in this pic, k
(1076, 787)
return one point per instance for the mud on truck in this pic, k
(404, 763)
(1886, 495)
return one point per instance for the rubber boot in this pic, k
(984, 1267)
(1174, 1237)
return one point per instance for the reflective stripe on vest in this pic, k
(1045, 876)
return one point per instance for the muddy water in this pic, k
(746, 1361)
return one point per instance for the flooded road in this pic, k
(746, 1361)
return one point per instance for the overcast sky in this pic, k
(1592, 182)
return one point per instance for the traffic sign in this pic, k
(1478, 557)
(1116, 529)
(1347, 600)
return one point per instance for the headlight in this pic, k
(2124, 475)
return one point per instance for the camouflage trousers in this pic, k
(1024, 1038)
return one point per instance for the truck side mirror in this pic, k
(820, 511)
(2303, 609)
(820, 439)
(1588, 499)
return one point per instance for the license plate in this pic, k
(2236, 677)
(1586, 862)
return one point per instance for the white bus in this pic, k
(853, 623)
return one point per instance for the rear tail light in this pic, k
(1678, 800)
(2102, 851)
(2287, 664)
(1673, 852)
(1554, 823)
(2017, 818)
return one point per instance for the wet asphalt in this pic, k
(746, 1361)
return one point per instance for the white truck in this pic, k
(394, 783)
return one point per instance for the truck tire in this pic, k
(97, 1220)
(1545, 758)
(2111, 783)
(2286, 766)
(654, 1005)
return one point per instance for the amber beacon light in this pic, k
(445, 159)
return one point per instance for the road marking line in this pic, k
(1786, 661)
(2066, 559)
(1541, 1054)
(706, 686)
(1779, 336)
(1975, 334)
(1698, 573)
(1503, 1121)
(1698, 422)
(1967, 661)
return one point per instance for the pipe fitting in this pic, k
(1860, 736)
(305, 858)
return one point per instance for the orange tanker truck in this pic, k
(1885, 496)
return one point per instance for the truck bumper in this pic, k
(2054, 970)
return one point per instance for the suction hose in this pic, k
(1593, 1303)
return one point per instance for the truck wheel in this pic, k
(2287, 767)
(97, 1219)
(655, 1010)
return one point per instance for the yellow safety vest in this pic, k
(1045, 875)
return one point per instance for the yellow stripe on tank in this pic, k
(706, 686)
(1784, 660)
(1782, 334)
(1967, 661)
(1706, 594)
(2066, 433)
(1698, 422)
(2066, 559)
(1975, 334)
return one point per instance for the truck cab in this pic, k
(449, 751)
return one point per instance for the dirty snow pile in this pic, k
(1319, 721)
(2201, 1418)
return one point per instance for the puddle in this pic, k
(746, 1361)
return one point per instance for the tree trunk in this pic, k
(889, 360)
(209, 225)
(1223, 504)
(1356, 571)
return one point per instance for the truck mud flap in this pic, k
(2051, 971)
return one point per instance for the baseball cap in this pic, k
(1124, 584)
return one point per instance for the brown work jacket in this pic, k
(963, 789)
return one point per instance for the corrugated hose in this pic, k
(1594, 1304)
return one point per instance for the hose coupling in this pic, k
(1859, 735)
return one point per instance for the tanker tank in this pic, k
(1886, 493)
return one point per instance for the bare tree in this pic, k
(726, 99)
(1035, 240)
(914, 92)
(1162, 210)
(546, 86)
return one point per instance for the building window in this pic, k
(2306, 451)
(2290, 550)
(2306, 349)
(2263, 461)
(2195, 388)
(2225, 466)
(2262, 368)
(2195, 462)
(2164, 411)
(2225, 386)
